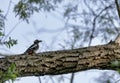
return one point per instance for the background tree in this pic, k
(84, 22)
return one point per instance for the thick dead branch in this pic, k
(66, 61)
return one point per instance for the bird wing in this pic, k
(32, 47)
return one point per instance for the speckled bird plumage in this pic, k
(33, 48)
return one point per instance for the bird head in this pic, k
(37, 41)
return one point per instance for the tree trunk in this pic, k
(65, 61)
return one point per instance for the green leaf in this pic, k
(115, 63)
(11, 42)
(1, 34)
(11, 73)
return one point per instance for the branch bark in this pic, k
(65, 61)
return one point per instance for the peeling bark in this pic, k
(64, 61)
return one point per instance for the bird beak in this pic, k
(40, 40)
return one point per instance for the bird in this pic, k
(33, 48)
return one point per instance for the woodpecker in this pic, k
(33, 48)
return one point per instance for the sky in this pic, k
(48, 27)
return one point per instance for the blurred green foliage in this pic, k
(10, 74)
(115, 65)
(25, 8)
(10, 42)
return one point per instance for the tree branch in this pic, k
(117, 7)
(65, 61)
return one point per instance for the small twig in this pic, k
(8, 8)
(72, 78)
(11, 31)
(118, 8)
(95, 18)
(39, 79)
(52, 79)
(94, 22)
